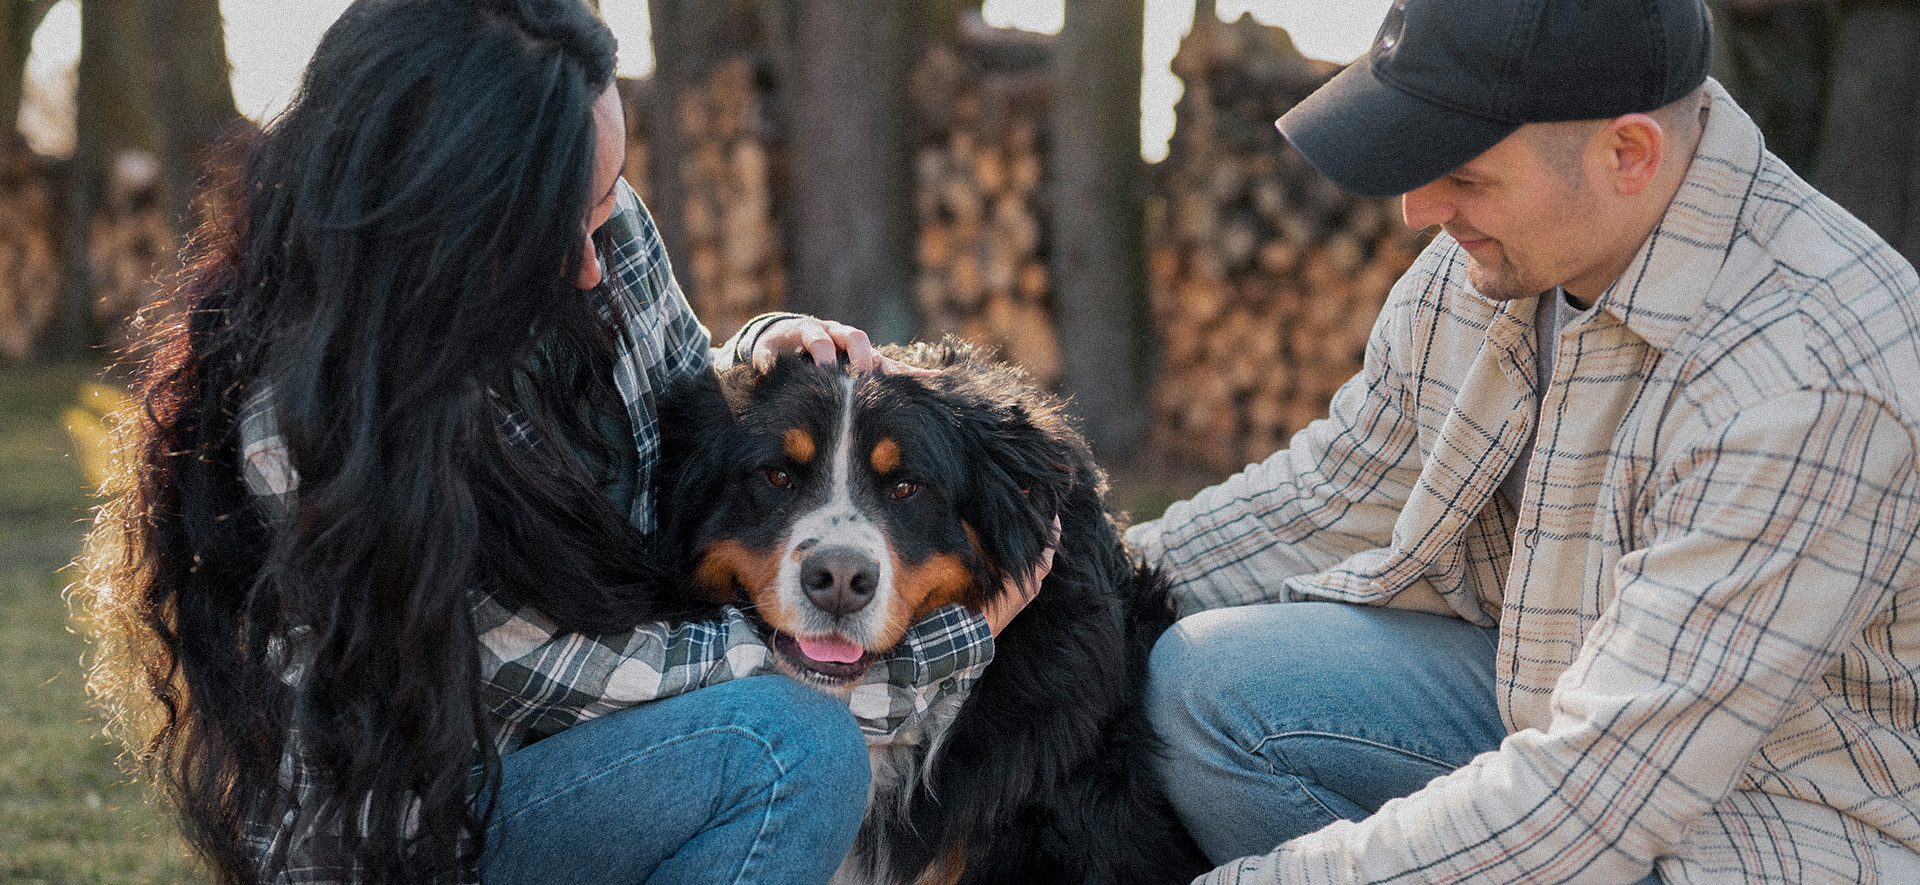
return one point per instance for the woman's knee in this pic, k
(638, 787)
(736, 743)
(812, 739)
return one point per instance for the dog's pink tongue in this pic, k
(832, 648)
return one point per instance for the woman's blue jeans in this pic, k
(758, 780)
(1281, 719)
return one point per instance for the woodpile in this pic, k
(736, 264)
(978, 170)
(1264, 277)
(131, 246)
(29, 259)
(634, 93)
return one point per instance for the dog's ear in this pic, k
(689, 409)
(695, 413)
(1024, 458)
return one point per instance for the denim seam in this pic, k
(760, 844)
(1302, 783)
(1255, 749)
(623, 761)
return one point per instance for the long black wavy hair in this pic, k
(399, 276)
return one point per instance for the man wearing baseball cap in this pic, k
(1606, 567)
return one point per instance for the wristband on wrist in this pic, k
(759, 325)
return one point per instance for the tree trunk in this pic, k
(1098, 216)
(18, 20)
(112, 113)
(1869, 158)
(1774, 59)
(193, 89)
(848, 115)
(938, 24)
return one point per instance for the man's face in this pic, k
(1528, 222)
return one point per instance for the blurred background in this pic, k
(1094, 187)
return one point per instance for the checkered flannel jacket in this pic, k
(1709, 598)
(538, 679)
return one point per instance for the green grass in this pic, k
(68, 813)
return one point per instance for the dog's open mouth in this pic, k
(831, 656)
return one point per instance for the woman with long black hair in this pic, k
(367, 602)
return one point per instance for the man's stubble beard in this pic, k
(1503, 283)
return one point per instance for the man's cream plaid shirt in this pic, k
(1709, 600)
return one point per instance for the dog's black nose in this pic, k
(839, 580)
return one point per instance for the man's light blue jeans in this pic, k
(1281, 719)
(759, 780)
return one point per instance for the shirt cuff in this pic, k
(738, 351)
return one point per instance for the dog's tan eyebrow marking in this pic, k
(886, 455)
(798, 444)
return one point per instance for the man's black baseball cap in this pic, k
(1447, 79)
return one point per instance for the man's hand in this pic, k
(824, 340)
(1021, 591)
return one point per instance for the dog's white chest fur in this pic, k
(899, 768)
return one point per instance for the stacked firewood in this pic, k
(131, 246)
(29, 260)
(634, 94)
(1265, 278)
(978, 171)
(736, 264)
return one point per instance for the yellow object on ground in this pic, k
(91, 424)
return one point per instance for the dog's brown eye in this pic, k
(779, 478)
(903, 489)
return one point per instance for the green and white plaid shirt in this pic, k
(1709, 596)
(540, 680)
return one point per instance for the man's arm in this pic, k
(1771, 543)
(1334, 492)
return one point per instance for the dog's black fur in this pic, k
(1045, 774)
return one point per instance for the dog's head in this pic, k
(844, 507)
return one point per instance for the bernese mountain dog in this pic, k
(840, 508)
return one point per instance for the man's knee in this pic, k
(1204, 662)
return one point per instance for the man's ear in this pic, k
(1634, 145)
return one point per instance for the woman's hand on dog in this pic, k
(1021, 591)
(824, 340)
